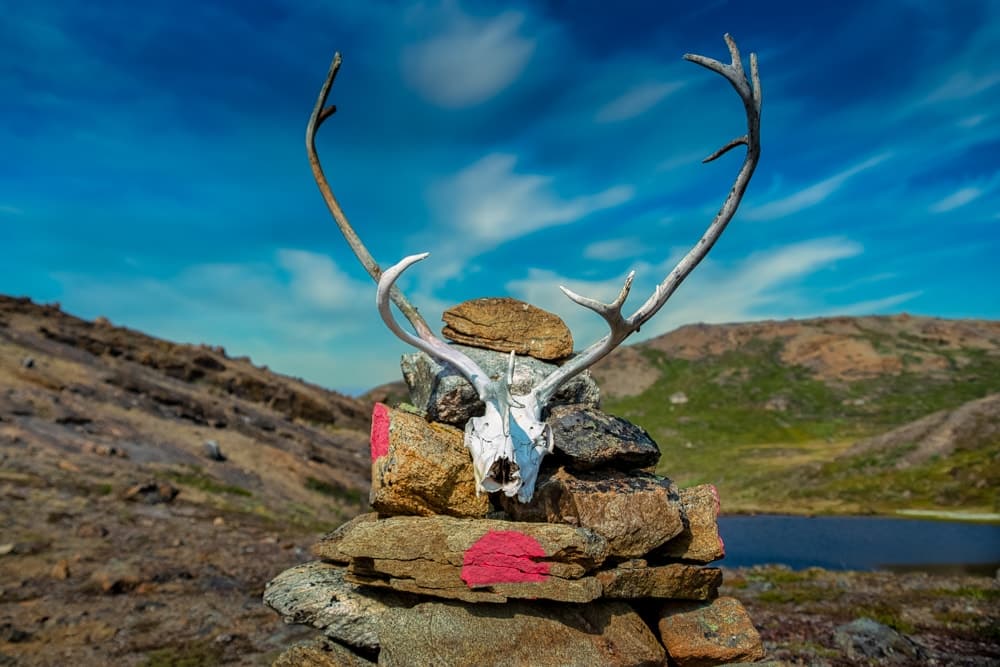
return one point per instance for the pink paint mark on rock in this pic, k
(718, 508)
(380, 431)
(504, 557)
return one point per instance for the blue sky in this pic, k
(154, 170)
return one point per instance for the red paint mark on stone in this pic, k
(504, 557)
(380, 431)
(718, 508)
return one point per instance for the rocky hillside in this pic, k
(148, 490)
(837, 414)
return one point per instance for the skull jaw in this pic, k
(506, 453)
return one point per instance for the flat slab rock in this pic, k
(504, 324)
(635, 512)
(678, 581)
(421, 468)
(518, 633)
(476, 560)
(587, 439)
(701, 634)
(447, 397)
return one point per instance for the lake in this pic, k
(860, 543)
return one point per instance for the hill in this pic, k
(107, 487)
(783, 416)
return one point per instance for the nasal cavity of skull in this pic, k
(503, 471)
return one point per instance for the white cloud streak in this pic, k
(469, 61)
(957, 199)
(812, 195)
(636, 101)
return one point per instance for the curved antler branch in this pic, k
(426, 341)
(319, 114)
(621, 328)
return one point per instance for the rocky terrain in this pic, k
(149, 490)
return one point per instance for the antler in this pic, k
(319, 114)
(621, 327)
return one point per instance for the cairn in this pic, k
(607, 565)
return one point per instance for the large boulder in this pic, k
(447, 397)
(504, 324)
(699, 541)
(610, 634)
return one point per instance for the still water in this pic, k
(860, 543)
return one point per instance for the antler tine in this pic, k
(621, 328)
(319, 114)
(426, 341)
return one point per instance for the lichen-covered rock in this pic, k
(636, 579)
(317, 594)
(477, 560)
(504, 324)
(586, 439)
(609, 634)
(421, 468)
(702, 634)
(699, 541)
(447, 397)
(635, 512)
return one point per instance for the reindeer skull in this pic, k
(509, 441)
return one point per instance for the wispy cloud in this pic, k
(812, 195)
(613, 249)
(492, 202)
(957, 199)
(470, 60)
(764, 285)
(6, 209)
(318, 281)
(635, 101)
(963, 85)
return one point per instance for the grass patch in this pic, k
(352, 496)
(195, 654)
(196, 479)
(885, 614)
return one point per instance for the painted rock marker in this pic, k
(504, 557)
(380, 431)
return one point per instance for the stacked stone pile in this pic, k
(607, 565)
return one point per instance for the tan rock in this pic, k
(328, 547)
(635, 512)
(116, 577)
(701, 634)
(61, 569)
(320, 653)
(420, 468)
(609, 634)
(635, 579)
(699, 541)
(504, 324)
(451, 557)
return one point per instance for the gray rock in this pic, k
(518, 633)
(864, 639)
(213, 451)
(587, 439)
(320, 653)
(447, 397)
(635, 512)
(317, 594)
